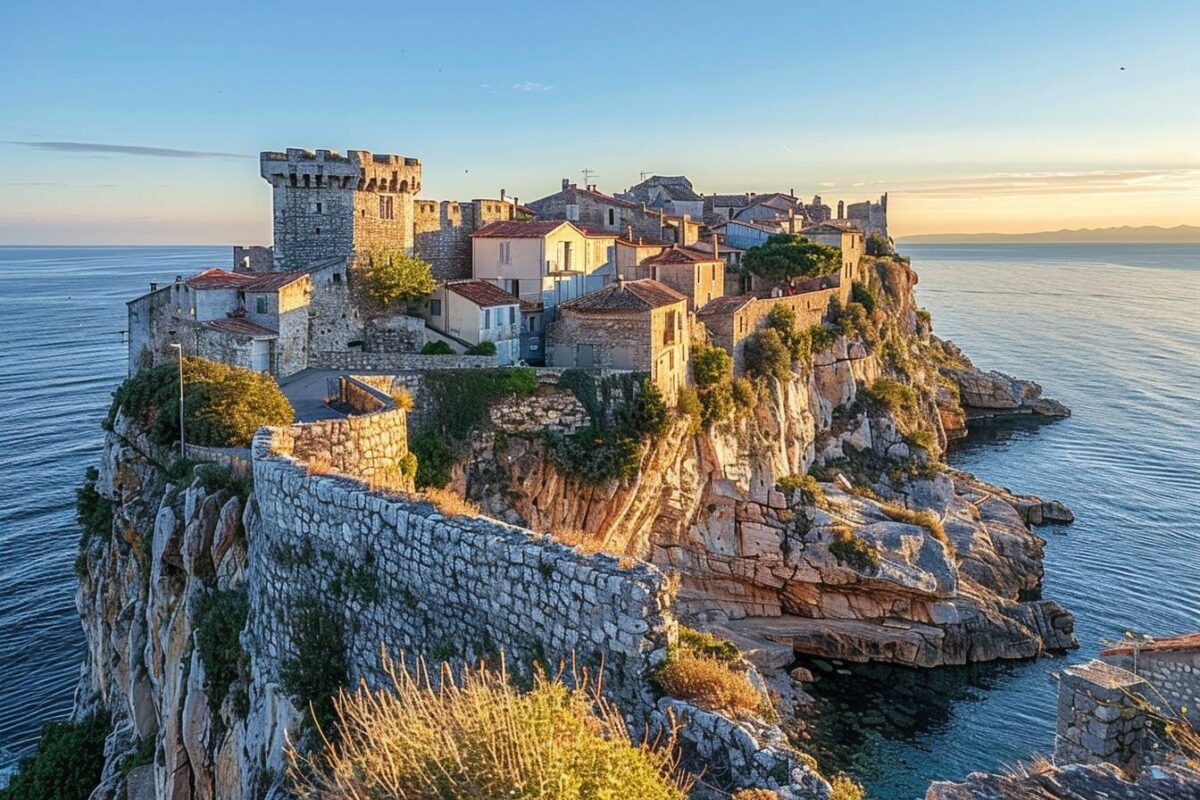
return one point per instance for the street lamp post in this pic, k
(182, 442)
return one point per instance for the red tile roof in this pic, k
(273, 281)
(513, 229)
(251, 282)
(482, 293)
(240, 327)
(1188, 641)
(720, 306)
(640, 295)
(680, 255)
(219, 279)
(595, 232)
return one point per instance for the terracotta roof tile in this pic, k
(640, 295)
(680, 255)
(274, 281)
(596, 232)
(482, 293)
(514, 229)
(219, 279)
(720, 306)
(1188, 641)
(240, 327)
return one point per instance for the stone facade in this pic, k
(328, 205)
(254, 258)
(1172, 668)
(398, 362)
(730, 321)
(1100, 718)
(442, 232)
(869, 217)
(365, 446)
(470, 586)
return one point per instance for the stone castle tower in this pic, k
(327, 205)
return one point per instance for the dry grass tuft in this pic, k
(389, 481)
(756, 794)
(402, 398)
(844, 788)
(449, 503)
(709, 684)
(586, 541)
(319, 465)
(925, 519)
(480, 737)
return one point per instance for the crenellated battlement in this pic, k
(360, 170)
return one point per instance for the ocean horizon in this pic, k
(1108, 329)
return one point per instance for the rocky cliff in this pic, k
(893, 558)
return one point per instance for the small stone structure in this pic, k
(1101, 718)
(397, 362)
(1172, 668)
(368, 446)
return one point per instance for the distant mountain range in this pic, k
(1145, 234)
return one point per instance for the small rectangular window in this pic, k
(318, 208)
(505, 252)
(435, 308)
(487, 318)
(261, 305)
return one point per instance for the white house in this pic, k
(477, 311)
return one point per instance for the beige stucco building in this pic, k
(477, 311)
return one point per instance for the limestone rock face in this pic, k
(139, 600)
(995, 392)
(1071, 782)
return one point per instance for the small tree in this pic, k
(393, 276)
(766, 354)
(788, 257)
(878, 245)
(712, 369)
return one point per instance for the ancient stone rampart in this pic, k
(399, 362)
(440, 586)
(1171, 667)
(367, 446)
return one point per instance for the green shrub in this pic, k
(860, 293)
(237, 480)
(223, 405)
(703, 643)
(745, 395)
(925, 317)
(93, 511)
(687, 405)
(434, 459)
(482, 349)
(66, 765)
(782, 320)
(892, 396)
(218, 627)
(849, 549)
(598, 455)
(318, 670)
(393, 276)
(925, 440)
(408, 466)
(712, 372)
(646, 414)
(437, 348)
(142, 755)
(820, 338)
(806, 485)
(766, 354)
(853, 321)
(180, 471)
(924, 519)
(786, 257)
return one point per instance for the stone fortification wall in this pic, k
(1173, 674)
(362, 396)
(1100, 719)
(366, 446)
(445, 586)
(394, 362)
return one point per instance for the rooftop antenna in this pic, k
(643, 175)
(588, 174)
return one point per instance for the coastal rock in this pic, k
(1071, 782)
(989, 393)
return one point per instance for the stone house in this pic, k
(852, 244)
(673, 194)
(771, 206)
(592, 208)
(744, 234)
(731, 320)
(698, 276)
(637, 325)
(256, 321)
(474, 311)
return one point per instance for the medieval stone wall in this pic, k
(254, 258)
(395, 362)
(1100, 718)
(446, 586)
(365, 446)
(1174, 676)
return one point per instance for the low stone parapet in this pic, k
(1101, 716)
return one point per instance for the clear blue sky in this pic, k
(997, 116)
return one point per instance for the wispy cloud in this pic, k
(1082, 182)
(532, 86)
(827, 184)
(126, 149)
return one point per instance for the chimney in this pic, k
(792, 192)
(566, 183)
(154, 286)
(246, 263)
(179, 279)
(841, 209)
(629, 232)
(502, 193)
(620, 280)
(716, 252)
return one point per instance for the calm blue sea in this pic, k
(1113, 331)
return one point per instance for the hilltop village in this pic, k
(687, 444)
(578, 278)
